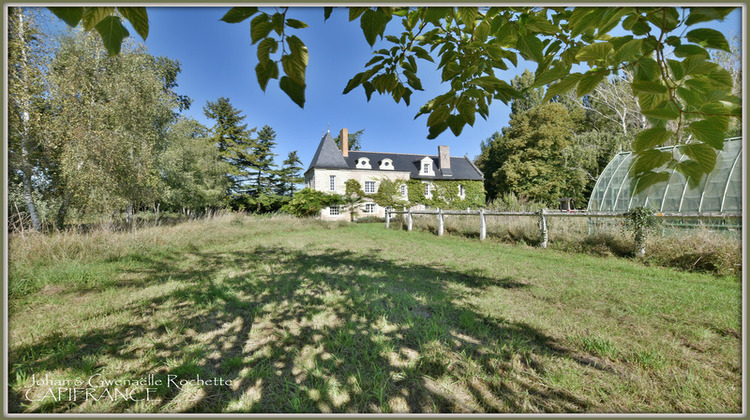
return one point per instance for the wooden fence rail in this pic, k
(542, 214)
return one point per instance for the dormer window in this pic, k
(426, 166)
(363, 163)
(386, 164)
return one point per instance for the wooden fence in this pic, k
(542, 215)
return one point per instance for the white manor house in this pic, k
(331, 168)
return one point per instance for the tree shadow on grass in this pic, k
(304, 331)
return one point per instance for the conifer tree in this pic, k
(233, 140)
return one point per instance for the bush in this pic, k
(307, 202)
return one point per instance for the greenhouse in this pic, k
(720, 192)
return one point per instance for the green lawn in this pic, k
(304, 316)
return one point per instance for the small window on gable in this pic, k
(386, 164)
(426, 167)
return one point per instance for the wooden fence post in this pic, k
(543, 228)
(387, 217)
(409, 221)
(640, 241)
(482, 225)
(441, 223)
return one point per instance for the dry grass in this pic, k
(306, 316)
(697, 249)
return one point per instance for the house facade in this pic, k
(393, 179)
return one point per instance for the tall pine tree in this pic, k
(234, 142)
(289, 174)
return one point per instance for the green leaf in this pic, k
(708, 133)
(265, 71)
(650, 138)
(678, 72)
(355, 12)
(702, 154)
(707, 14)
(564, 85)
(422, 53)
(648, 87)
(93, 15)
(295, 91)
(583, 19)
(373, 23)
(293, 68)
(296, 24)
(260, 27)
(482, 32)
(648, 160)
(266, 47)
(456, 124)
(434, 14)
(589, 81)
(69, 15)
(112, 32)
(556, 72)
(439, 115)
(138, 17)
(664, 111)
(696, 64)
(353, 82)
(646, 69)
(530, 47)
(709, 38)
(468, 16)
(595, 52)
(642, 182)
(238, 14)
(686, 50)
(692, 171)
(628, 51)
(327, 13)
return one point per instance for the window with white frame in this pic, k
(334, 210)
(370, 208)
(425, 168)
(332, 182)
(426, 189)
(403, 190)
(461, 191)
(369, 187)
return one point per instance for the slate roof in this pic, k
(328, 156)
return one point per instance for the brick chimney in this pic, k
(445, 157)
(345, 142)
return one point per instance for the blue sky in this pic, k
(218, 59)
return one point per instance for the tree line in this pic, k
(93, 135)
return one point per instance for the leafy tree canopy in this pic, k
(674, 77)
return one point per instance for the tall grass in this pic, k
(697, 249)
(33, 256)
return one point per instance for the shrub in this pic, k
(307, 202)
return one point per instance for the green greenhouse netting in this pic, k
(720, 192)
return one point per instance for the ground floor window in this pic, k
(370, 208)
(334, 210)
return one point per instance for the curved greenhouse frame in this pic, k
(720, 192)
